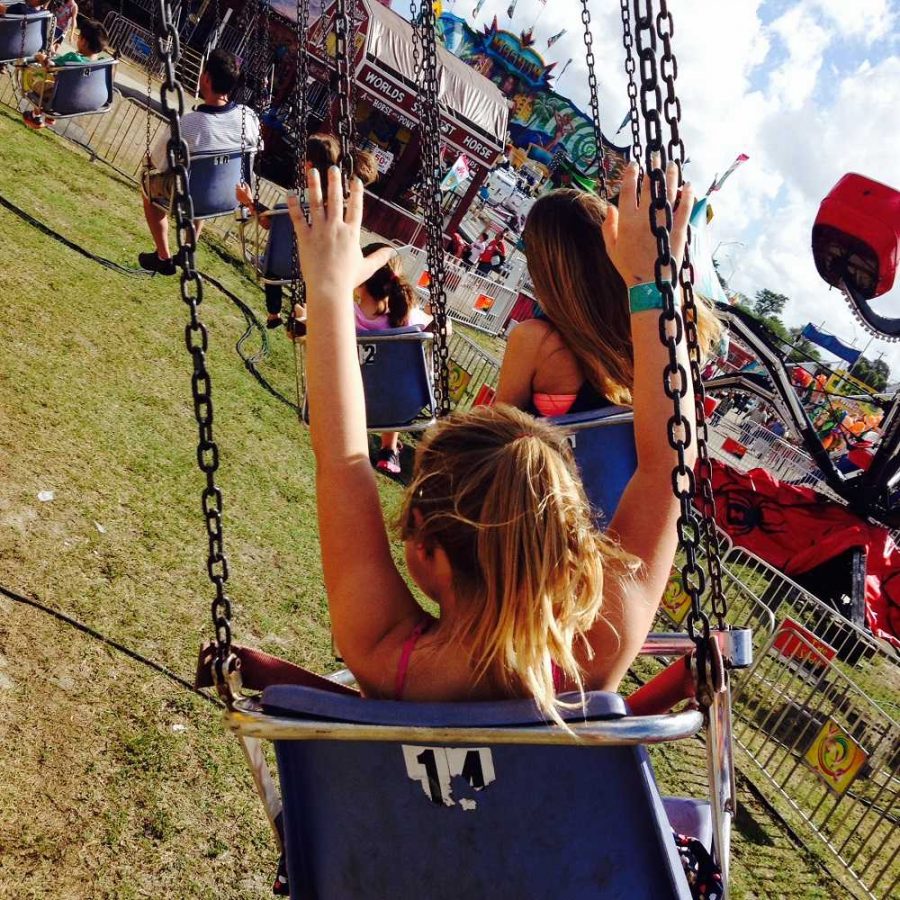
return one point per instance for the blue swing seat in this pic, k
(212, 179)
(277, 264)
(603, 444)
(15, 45)
(450, 800)
(79, 89)
(397, 379)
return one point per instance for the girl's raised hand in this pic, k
(330, 256)
(626, 231)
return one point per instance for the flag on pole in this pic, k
(625, 121)
(512, 8)
(477, 9)
(566, 66)
(718, 182)
(555, 38)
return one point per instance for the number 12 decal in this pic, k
(436, 767)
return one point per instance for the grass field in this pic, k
(114, 782)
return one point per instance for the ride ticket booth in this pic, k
(474, 114)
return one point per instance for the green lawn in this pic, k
(113, 781)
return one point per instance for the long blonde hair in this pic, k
(583, 294)
(499, 492)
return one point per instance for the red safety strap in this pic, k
(261, 670)
(665, 691)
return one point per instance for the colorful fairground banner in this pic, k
(541, 120)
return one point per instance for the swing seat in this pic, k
(603, 444)
(212, 179)
(397, 379)
(18, 45)
(449, 800)
(277, 265)
(856, 244)
(78, 90)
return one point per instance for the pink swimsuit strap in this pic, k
(408, 646)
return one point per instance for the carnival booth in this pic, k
(474, 112)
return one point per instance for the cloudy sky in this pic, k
(809, 89)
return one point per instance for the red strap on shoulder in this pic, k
(666, 690)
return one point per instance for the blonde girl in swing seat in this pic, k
(497, 531)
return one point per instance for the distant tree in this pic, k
(875, 374)
(722, 280)
(767, 303)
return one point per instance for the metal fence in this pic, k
(473, 373)
(816, 718)
(479, 302)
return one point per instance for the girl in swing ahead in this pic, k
(533, 600)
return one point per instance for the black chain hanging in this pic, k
(600, 157)
(671, 324)
(300, 110)
(428, 106)
(196, 336)
(676, 151)
(637, 150)
(343, 60)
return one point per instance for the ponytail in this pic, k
(391, 289)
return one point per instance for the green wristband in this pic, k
(644, 297)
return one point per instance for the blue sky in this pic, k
(810, 89)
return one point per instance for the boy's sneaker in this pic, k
(152, 263)
(388, 461)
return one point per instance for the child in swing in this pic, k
(496, 526)
(38, 81)
(497, 531)
(387, 300)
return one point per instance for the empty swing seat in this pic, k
(421, 813)
(14, 44)
(79, 89)
(603, 444)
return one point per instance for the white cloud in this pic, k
(866, 19)
(805, 41)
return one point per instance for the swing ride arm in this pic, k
(867, 493)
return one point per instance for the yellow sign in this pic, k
(459, 381)
(835, 757)
(676, 602)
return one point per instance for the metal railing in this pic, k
(816, 718)
(473, 373)
(477, 301)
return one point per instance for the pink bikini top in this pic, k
(410, 644)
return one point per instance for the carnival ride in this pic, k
(344, 760)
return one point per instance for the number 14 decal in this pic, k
(436, 767)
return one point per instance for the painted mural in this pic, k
(541, 120)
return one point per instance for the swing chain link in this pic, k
(671, 323)
(343, 46)
(428, 107)
(196, 335)
(301, 122)
(637, 150)
(676, 150)
(600, 157)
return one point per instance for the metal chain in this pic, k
(430, 133)
(343, 54)
(676, 152)
(147, 164)
(600, 157)
(667, 277)
(637, 150)
(300, 107)
(196, 336)
(262, 95)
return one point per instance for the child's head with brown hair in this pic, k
(92, 38)
(388, 289)
(324, 151)
(582, 293)
(499, 493)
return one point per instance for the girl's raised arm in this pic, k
(645, 520)
(369, 602)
